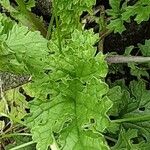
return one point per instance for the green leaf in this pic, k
(138, 71)
(120, 14)
(6, 5)
(129, 139)
(6, 25)
(141, 100)
(81, 108)
(137, 105)
(141, 10)
(134, 106)
(135, 68)
(125, 140)
(24, 16)
(17, 103)
(115, 94)
(143, 14)
(23, 51)
(18, 140)
(115, 5)
(29, 4)
(95, 141)
(76, 110)
(144, 48)
(117, 25)
(136, 97)
(116, 22)
(69, 12)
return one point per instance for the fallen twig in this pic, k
(126, 59)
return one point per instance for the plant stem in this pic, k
(88, 17)
(13, 118)
(57, 27)
(133, 119)
(58, 34)
(102, 28)
(54, 146)
(110, 138)
(23, 145)
(49, 32)
(14, 134)
(126, 59)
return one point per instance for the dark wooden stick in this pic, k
(126, 59)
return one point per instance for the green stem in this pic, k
(106, 33)
(58, 34)
(102, 28)
(23, 145)
(54, 146)
(14, 134)
(13, 119)
(57, 27)
(110, 138)
(133, 119)
(136, 126)
(102, 24)
(49, 32)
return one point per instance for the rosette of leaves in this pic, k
(74, 115)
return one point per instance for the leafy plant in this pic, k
(77, 93)
(122, 12)
(75, 105)
(133, 113)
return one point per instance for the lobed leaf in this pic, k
(22, 51)
(76, 110)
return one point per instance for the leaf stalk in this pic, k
(133, 119)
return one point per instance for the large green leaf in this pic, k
(76, 110)
(135, 115)
(22, 51)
